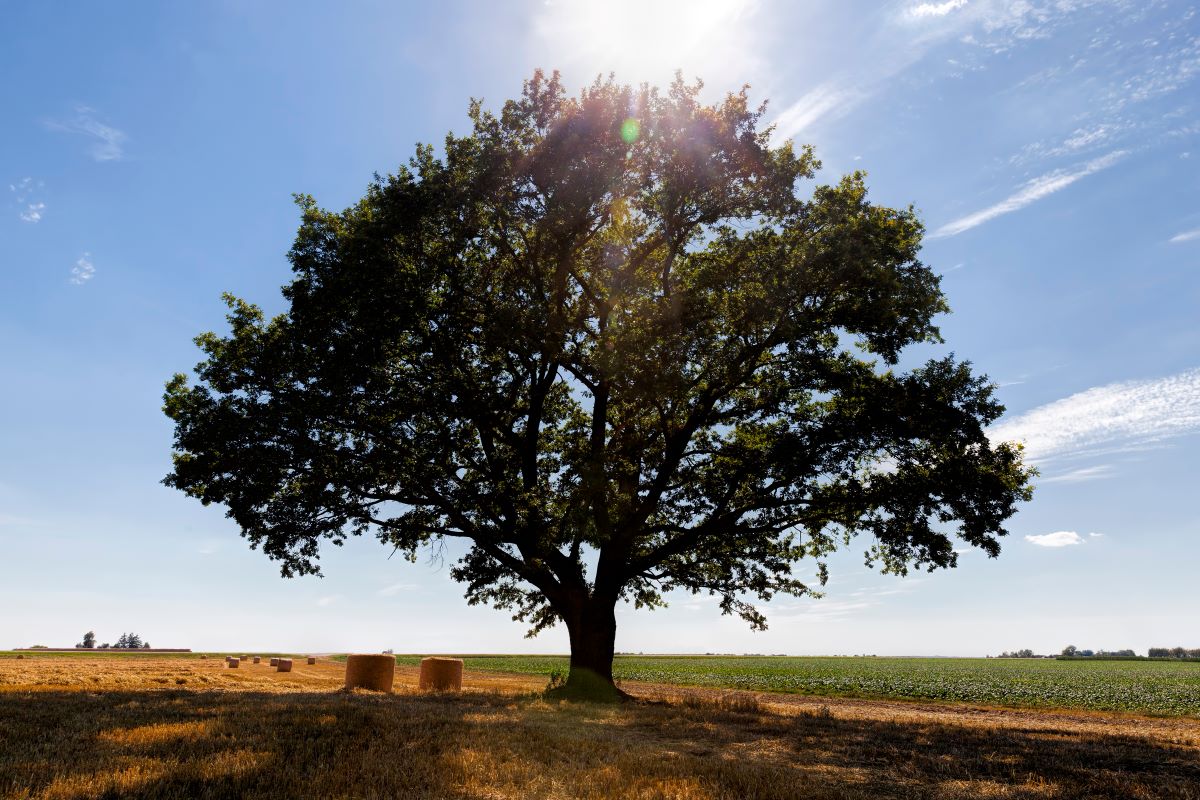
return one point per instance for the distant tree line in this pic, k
(1071, 651)
(128, 641)
(1174, 652)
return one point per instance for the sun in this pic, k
(647, 40)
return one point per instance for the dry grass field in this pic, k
(190, 728)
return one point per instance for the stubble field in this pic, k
(86, 727)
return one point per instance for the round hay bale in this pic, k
(233, 663)
(370, 671)
(20, 655)
(274, 662)
(441, 674)
(203, 658)
(257, 659)
(311, 660)
(284, 665)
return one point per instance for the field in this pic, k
(182, 727)
(1147, 687)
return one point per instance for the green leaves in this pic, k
(569, 346)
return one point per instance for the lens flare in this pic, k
(630, 129)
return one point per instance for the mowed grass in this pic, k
(191, 728)
(1144, 687)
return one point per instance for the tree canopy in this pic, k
(612, 343)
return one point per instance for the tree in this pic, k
(89, 640)
(1070, 650)
(129, 641)
(610, 344)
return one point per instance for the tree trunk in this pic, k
(592, 626)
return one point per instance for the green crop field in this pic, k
(1151, 687)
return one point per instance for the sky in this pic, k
(149, 151)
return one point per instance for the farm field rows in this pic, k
(1148, 687)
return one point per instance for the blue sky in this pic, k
(148, 153)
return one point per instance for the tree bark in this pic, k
(592, 627)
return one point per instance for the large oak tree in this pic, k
(613, 343)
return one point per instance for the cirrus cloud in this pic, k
(1118, 416)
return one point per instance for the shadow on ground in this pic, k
(189, 744)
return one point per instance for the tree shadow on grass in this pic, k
(185, 744)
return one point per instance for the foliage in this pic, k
(659, 357)
(1174, 652)
(1025, 653)
(89, 641)
(129, 641)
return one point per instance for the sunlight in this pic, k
(647, 40)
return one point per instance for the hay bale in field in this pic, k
(284, 665)
(441, 674)
(233, 662)
(203, 658)
(311, 660)
(370, 671)
(257, 659)
(274, 662)
(20, 655)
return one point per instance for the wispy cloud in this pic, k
(832, 608)
(13, 519)
(83, 270)
(937, 9)
(1096, 535)
(108, 142)
(395, 589)
(1036, 189)
(1090, 138)
(828, 100)
(328, 600)
(1081, 475)
(1116, 416)
(33, 212)
(1056, 539)
(25, 191)
(1186, 236)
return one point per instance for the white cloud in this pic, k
(1186, 236)
(25, 193)
(823, 101)
(328, 600)
(1105, 418)
(1056, 539)
(109, 142)
(83, 270)
(1080, 140)
(937, 9)
(1081, 475)
(1034, 190)
(33, 212)
(1096, 535)
(395, 589)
